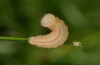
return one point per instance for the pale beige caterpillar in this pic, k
(54, 39)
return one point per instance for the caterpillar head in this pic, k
(48, 20)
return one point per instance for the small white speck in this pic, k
(77, 44)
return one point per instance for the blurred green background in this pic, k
(21, 18)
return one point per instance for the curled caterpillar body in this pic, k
(54, 39)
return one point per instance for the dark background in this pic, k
(21, 18)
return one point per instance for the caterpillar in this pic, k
(58, 35)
